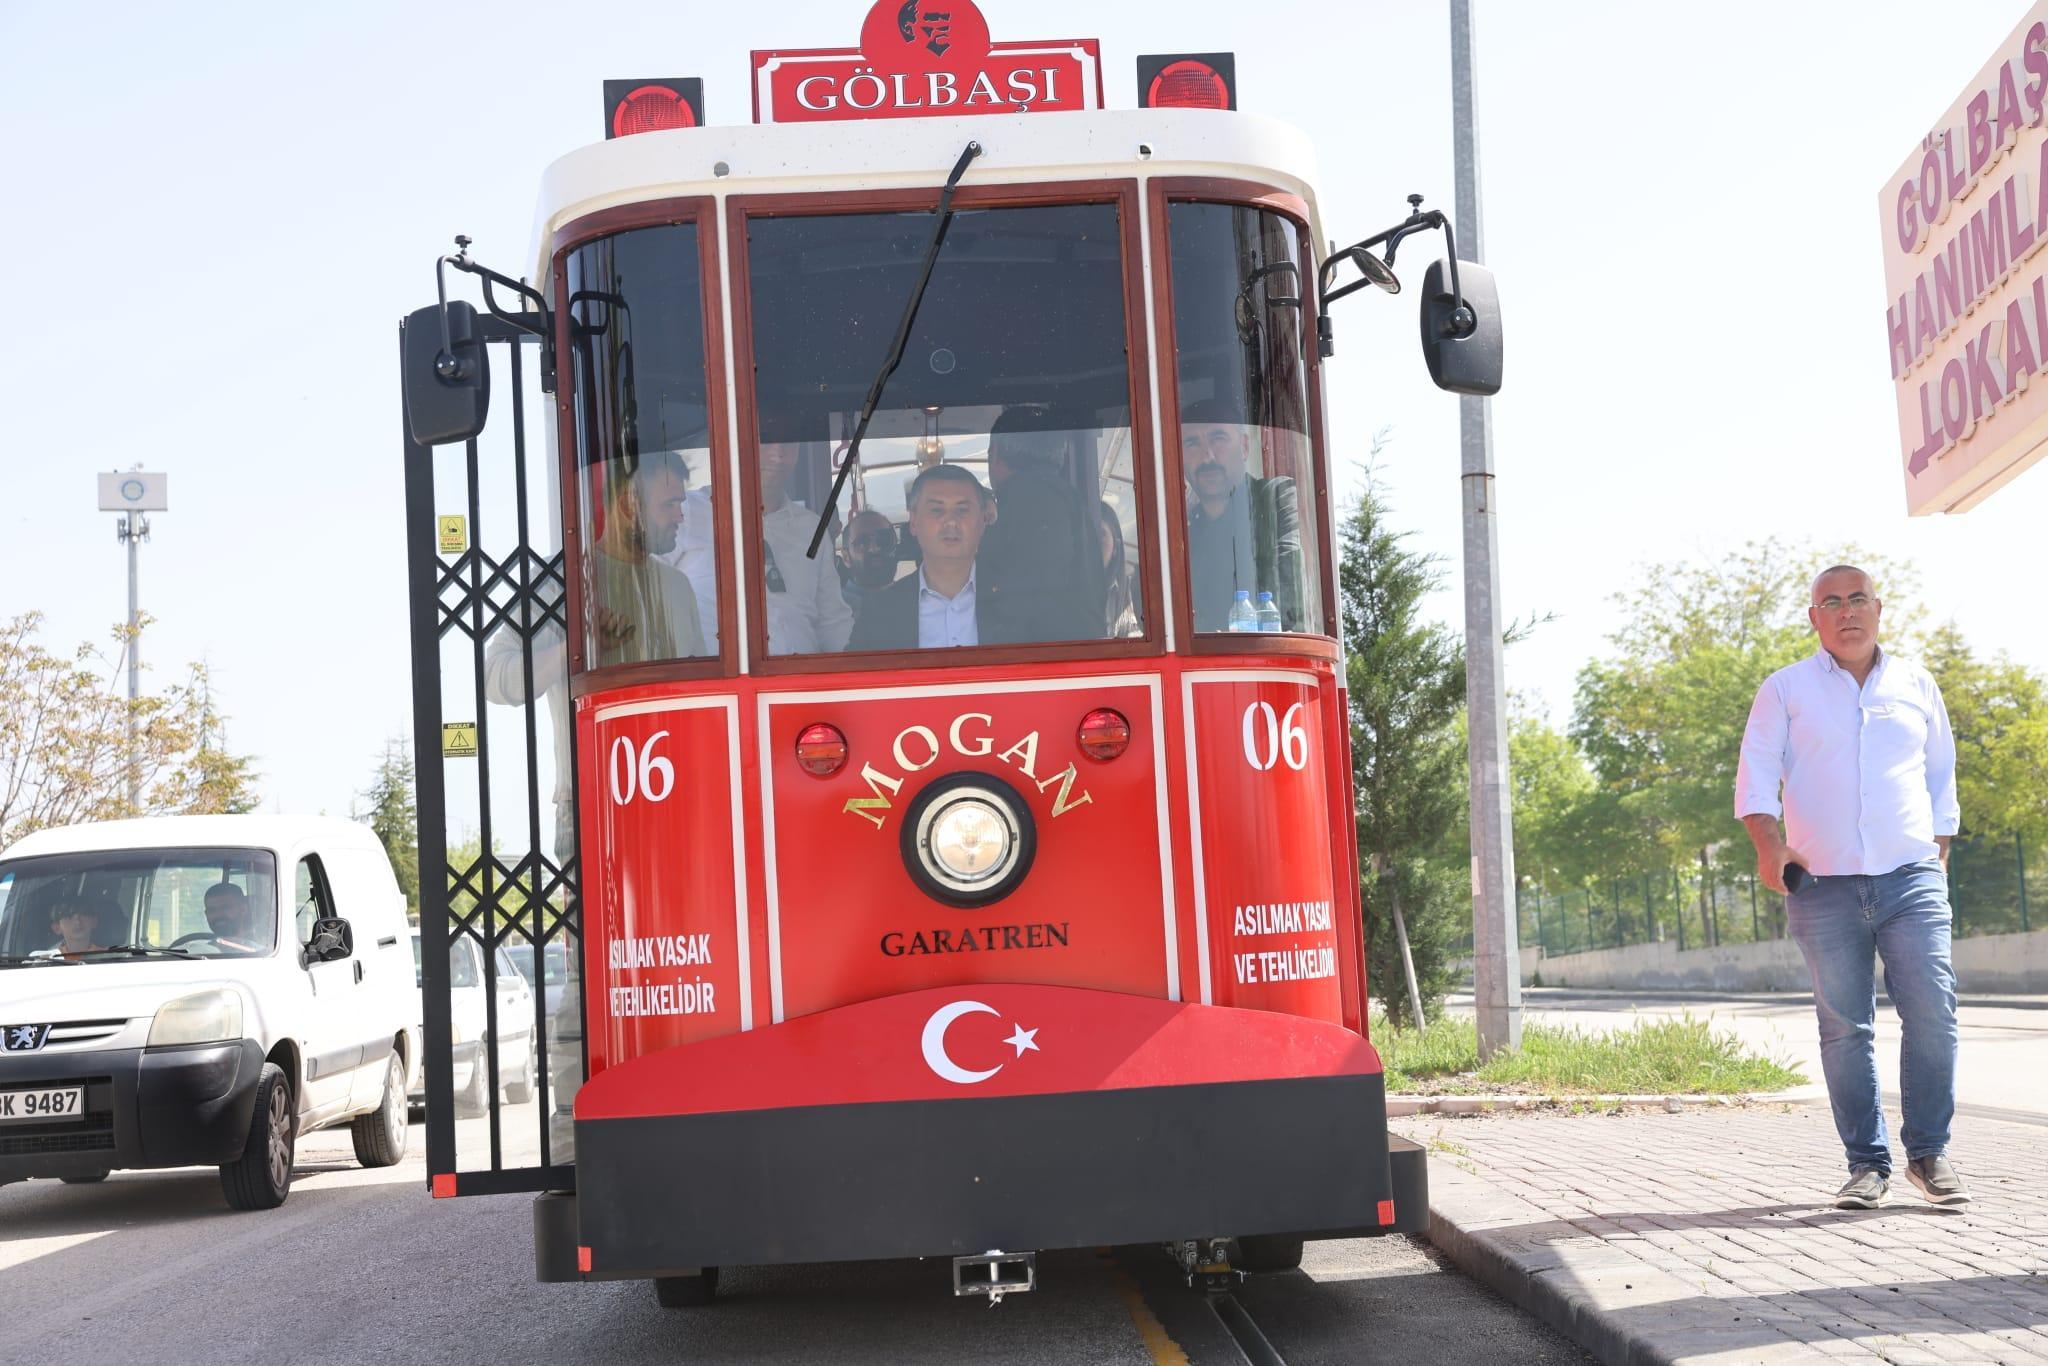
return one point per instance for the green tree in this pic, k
(390, 808)
(1999, 712)
(71, 741)
(1406, 678)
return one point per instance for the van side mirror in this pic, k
(447, 374)
(332, 940)
(1461, 337)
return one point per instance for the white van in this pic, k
(201, 990)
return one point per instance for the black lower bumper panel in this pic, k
(667, 1194)
(144, 1107)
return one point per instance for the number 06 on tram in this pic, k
(913, 646)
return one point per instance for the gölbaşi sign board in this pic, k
(1966, 283)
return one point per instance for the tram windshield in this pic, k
(643, 445)
(996, 498)
(1238, 279)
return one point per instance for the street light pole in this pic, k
(132, 530)
(1496, 958)
(132, 493)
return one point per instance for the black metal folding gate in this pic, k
(495, 760)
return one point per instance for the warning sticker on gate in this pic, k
(454, 533)
(458, 740)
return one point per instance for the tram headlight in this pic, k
(968, 839)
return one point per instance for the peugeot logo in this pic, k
(23, 1038)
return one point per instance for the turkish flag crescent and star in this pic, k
(985, 1039)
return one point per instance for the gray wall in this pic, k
(1985, 964)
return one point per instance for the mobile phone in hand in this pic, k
(1796, 876)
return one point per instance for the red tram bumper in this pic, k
(909, 1126)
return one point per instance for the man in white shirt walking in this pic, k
(1859, 741)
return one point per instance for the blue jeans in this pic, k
(1902, 916)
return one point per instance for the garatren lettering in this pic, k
(974, 939)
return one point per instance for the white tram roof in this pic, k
(908, 153)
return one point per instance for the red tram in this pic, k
(898, 712)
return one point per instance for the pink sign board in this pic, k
(926, 58)
(1965, 219)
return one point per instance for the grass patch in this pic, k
(1652, 1057)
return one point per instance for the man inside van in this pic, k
(227, 915)
(76, 924)
(936, 607)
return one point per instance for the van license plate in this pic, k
(40, 1107)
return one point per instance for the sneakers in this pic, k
(1937, 1180)
(1865, 1190)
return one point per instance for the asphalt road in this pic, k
(360, 1266)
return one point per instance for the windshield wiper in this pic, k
(144, 950)
(867, 409)
(18, 959)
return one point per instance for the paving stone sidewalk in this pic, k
(1709, 1236)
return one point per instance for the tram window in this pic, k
(643, 447)
(999, 457)
(1251, 496)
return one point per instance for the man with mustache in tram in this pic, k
(1244, 532)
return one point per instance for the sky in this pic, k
(217, 214)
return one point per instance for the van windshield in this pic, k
(109, 905)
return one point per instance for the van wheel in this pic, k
(88, 1179)
(262, 1176)
(520, 1089)
(380, 1135)
(476, 1097)
(686, 1292)
(1267, 1252)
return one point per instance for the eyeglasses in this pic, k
(1855, 602)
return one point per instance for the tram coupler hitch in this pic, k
(995, 1273)
(1205, 1262)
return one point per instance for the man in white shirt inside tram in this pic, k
(936, 607)
(807, 612)
(1859, 742)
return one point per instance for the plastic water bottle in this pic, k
(1243, 616)
(1268, 613)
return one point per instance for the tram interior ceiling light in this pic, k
(1104, 734)
(821, 750)
(1188, 80)
(652, 106)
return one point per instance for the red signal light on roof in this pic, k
(652, 106)
(1189, 80)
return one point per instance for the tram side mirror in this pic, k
(1461, 339)
(447, 383)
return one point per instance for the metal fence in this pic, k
(1721, 902)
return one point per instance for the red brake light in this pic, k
(650, 109)
(1188, 84)
(821, 750)
(1104, 734)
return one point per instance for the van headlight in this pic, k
(202, 1017)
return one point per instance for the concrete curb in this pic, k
(1578, 1300)
(1398, 1106)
